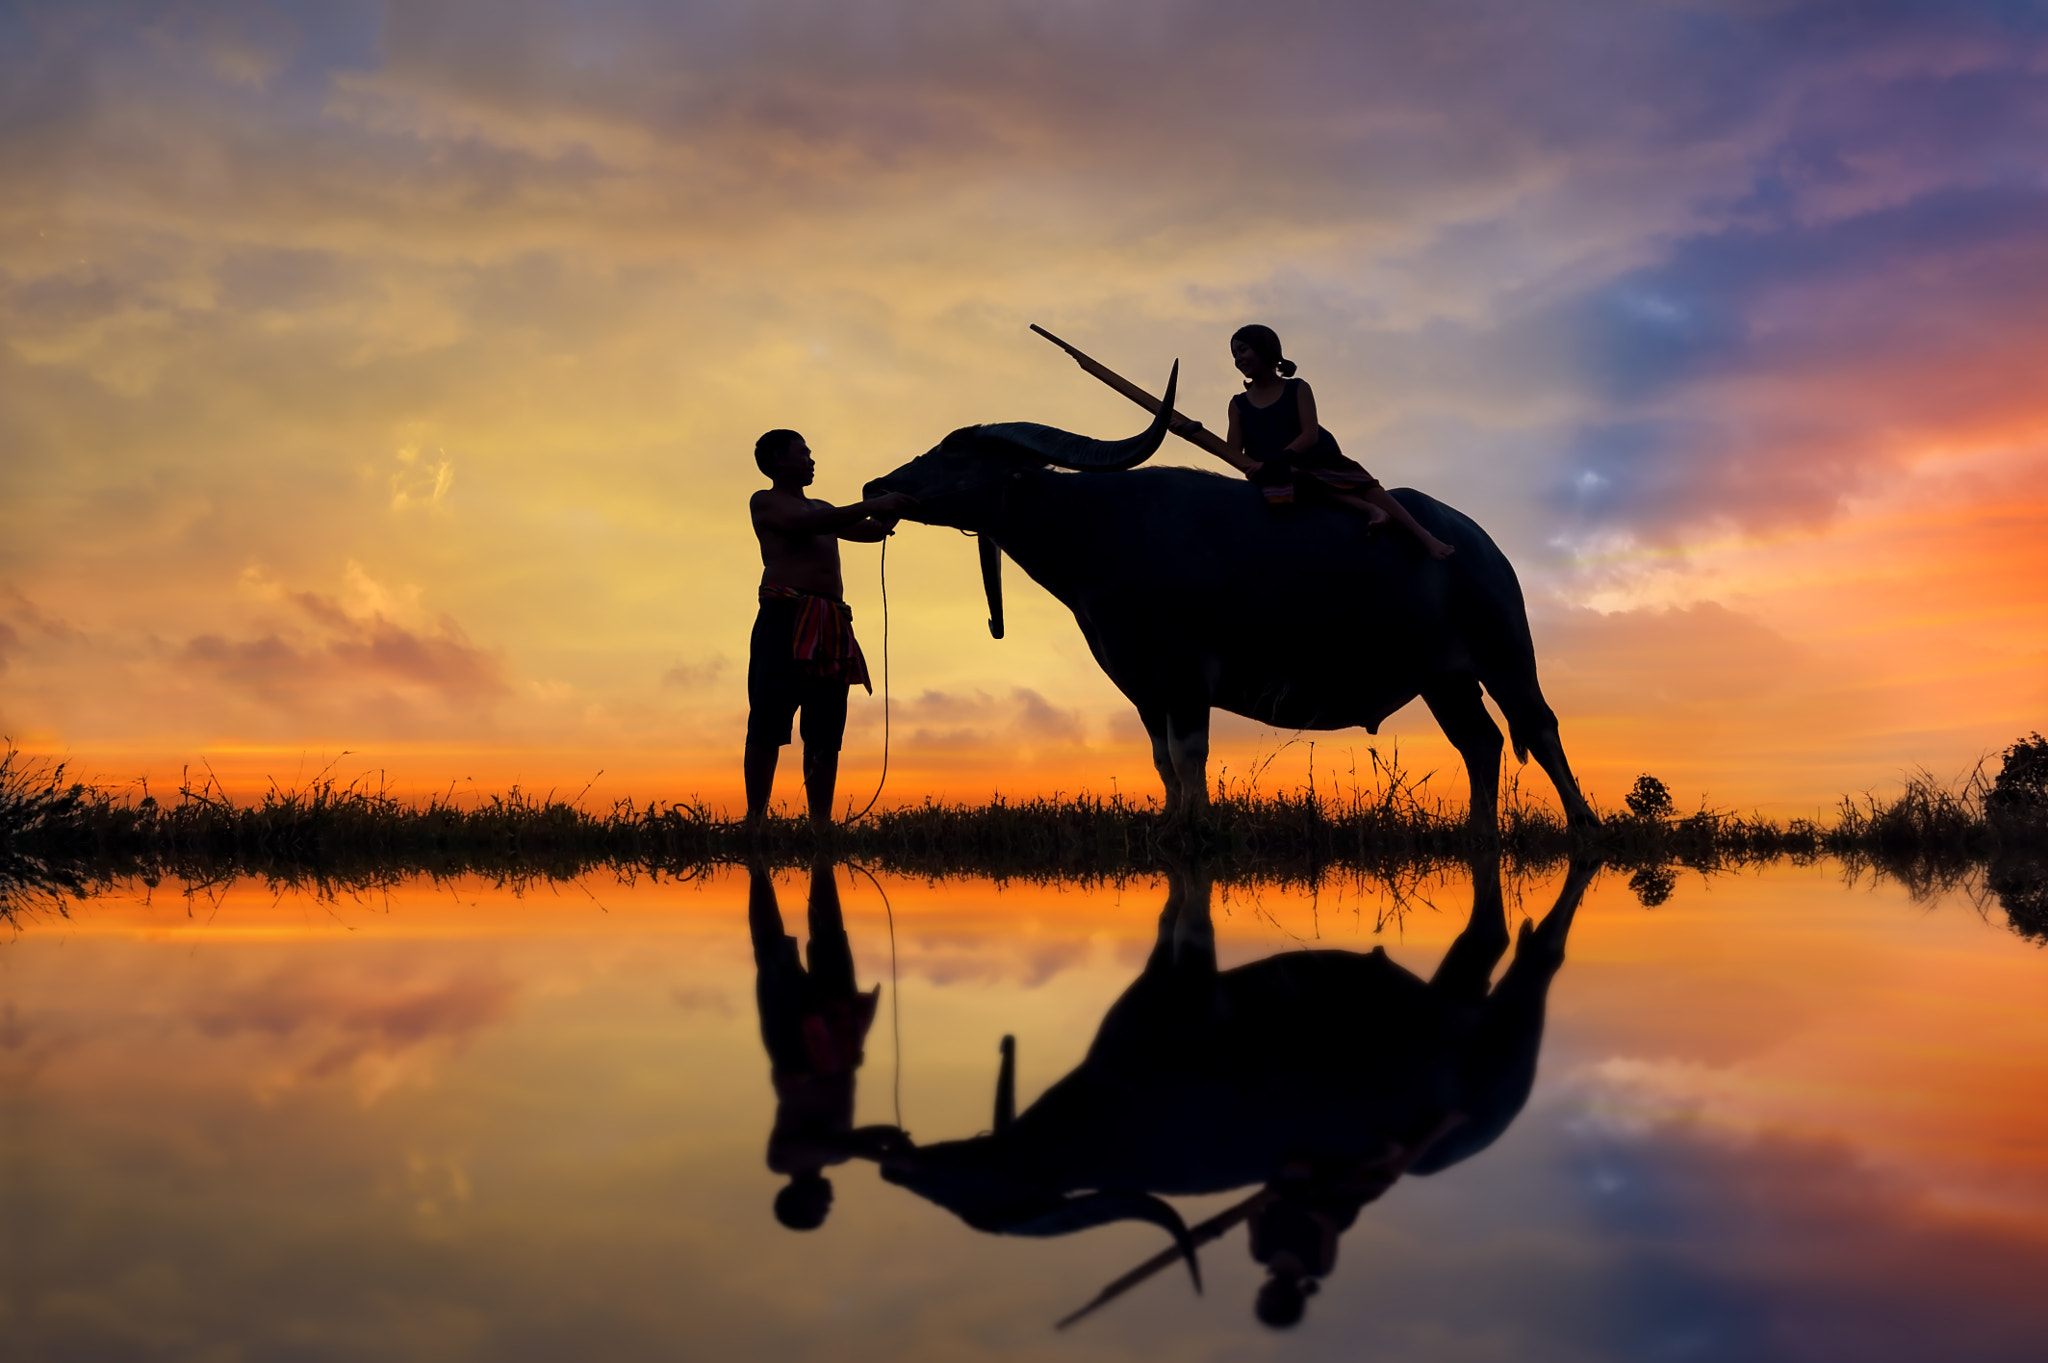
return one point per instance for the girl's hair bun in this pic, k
(1285, 369)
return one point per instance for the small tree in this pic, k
(1649, 801)
(1653, 885)
(2021, 884)
(2022, 784)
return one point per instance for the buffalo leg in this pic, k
(1194, 930)
(1498, 1060)
(1534, 725)
(1169, 1012)
(1513, 1027)
(1187, 746)
(1548, 751)
(1454, 700)
(1466, 972)
(1162, 759)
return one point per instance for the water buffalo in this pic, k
(1192, 594)
(1201, 1081)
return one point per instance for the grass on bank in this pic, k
(62, 839)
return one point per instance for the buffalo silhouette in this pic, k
(1193, 594)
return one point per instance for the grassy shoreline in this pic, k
(62, 841)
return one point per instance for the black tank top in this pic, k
(1269, 430)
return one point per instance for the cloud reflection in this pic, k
(380, 1031)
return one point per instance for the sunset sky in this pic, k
(382, 381)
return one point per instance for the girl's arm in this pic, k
(1311, 433)
(1234, 440)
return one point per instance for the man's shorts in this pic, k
(778, 687)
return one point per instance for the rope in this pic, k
(883, 779)
(895, 998)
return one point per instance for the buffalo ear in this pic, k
(992, 586)
(1006, 1080)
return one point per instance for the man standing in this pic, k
(803, 655)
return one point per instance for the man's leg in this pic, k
(781, 991)
(773, 689)
(759, 766)
(830, 953)
(823, 727)
(821, 775)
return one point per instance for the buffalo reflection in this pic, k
(1318, 1076)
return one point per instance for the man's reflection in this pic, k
(1322, 1075)
(814, 1022)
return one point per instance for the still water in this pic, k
(1779, 1116)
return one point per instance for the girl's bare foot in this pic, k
(1438, 549)
(1374, 516)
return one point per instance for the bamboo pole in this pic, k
(1199, 437)
(1201, 1235)
(1393, 1164)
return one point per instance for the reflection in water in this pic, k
(1652, 885)
(814, 1022)
(1790, 1121)
(1321, 1076)
(2020, 881)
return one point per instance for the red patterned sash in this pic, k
(823, 639)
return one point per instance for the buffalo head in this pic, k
(959, 481)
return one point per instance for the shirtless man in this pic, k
(803, 655)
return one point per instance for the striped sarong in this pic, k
(823, 638)
(1279, 480)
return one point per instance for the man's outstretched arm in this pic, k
(788, 516)
(869, 531)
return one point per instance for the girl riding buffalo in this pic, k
(1276, 441)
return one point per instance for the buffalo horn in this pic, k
(1070, 451)
(1099, 1209)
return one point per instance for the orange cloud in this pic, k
(345, 651)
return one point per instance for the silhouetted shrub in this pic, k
(2021, 787)
(1652, 885)
(2021, 884)
(1650, 799)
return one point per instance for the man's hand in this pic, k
(879, 1142)
(877, 517)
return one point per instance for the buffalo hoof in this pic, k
(1187, 833)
